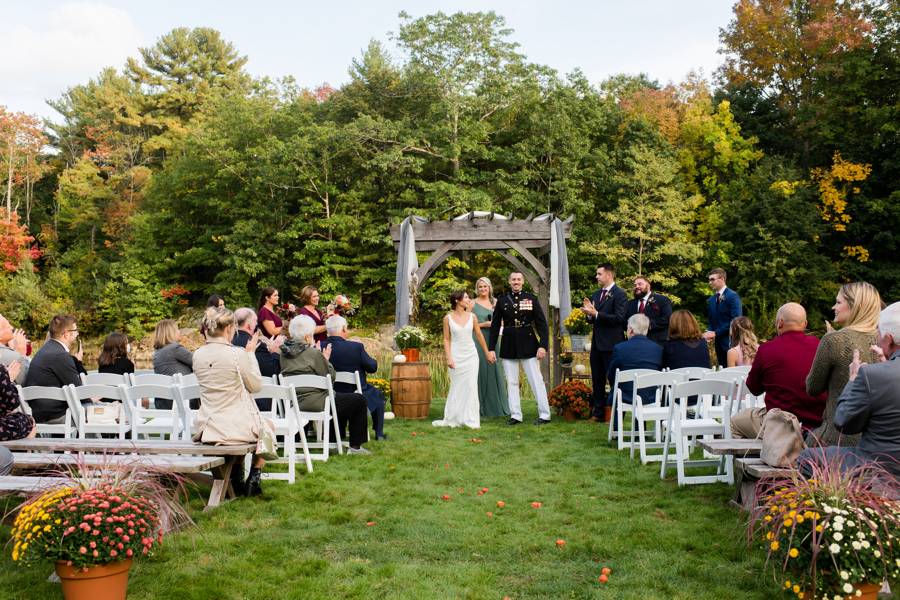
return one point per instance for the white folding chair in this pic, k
(619, 408)
(352, 377)
(113, 379)
(151, 379)
(184, 393)
(656, 412)
(85, 413)
(693, 372)
(147, 422)
(680, 430)
(283, 415)
(144, 372)
(38, 392)
(741, 369)
(187, 379)
(320, 419)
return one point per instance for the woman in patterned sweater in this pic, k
(14, 425)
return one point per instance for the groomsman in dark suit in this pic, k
(53, 366)
(606, 310)
(656, 307)
(722, 307)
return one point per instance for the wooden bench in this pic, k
(221, 484)
(13, 484)
(168, 463)
(755, 467)
(733, 447)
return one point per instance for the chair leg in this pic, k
(665, 456)
(303, 444)
(679, 456)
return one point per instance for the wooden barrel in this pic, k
(410, 390)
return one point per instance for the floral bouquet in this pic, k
(98, 518)
(576, 323)
(287, 311)
(573, 396)
(831, 535)
(410, 337)
(382, 384)
(341, 306)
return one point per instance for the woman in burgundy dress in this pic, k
(309, 301)
(14, 425)
(268, 320)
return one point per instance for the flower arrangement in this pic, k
(382, 384)
(572, 395)
(410, 337)
(576, 323)
(341, 305)
(97, 518)
(828, 535)
(287, 311)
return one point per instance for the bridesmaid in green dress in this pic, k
(491, 383)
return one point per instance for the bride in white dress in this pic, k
(462, 406)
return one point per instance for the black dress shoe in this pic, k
(541, 421)
(252, 487)
(512, 421)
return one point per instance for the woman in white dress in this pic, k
(462, 406)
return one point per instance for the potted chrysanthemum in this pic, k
(94, 525)
(572, 400)
(579, 329)
(833, 534)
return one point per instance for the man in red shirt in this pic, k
(780, 370)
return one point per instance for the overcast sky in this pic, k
(48, 46)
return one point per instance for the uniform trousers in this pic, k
(535, 380)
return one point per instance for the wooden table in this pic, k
(221, 484)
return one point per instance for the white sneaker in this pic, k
(359, 450)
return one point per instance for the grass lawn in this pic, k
(311, 540)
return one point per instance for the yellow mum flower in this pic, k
(774, 545)
(796, 589)
(787, 584)
(793, 552)
(788, 522)
(800, 518)
(769, 535)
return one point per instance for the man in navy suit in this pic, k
(638, 352)
(655, 307)
(606, 310)
(53, 366)
(723, 306)
(352, 356)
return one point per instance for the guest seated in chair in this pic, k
(686, 346)
(14, 425)
(299, 356)
(53, 366)
(779, 370)
(352, 356)
(13, 347)
(227, 376)
(637, 352)
(267, 359)
(870, 405)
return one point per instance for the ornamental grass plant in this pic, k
(96, 517)
(830, 533)
(573, 396)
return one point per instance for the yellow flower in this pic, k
(787, 584)
(788, 522)
(819, 528)
(800, 518)
(793, 552)
(767, 518)
(774, 545)
(796, 589)
(769, 535)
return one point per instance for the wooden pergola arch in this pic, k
(524, 243)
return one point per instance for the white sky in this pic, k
(48, 46)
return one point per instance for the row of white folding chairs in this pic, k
(179, 420)
(670, 415)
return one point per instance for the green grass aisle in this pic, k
(377, 527)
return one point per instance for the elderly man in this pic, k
(267, 350)
(656, 307)
(351, 356)
(13, 345)
(870, 405)
(637, 352)
(779, 370)
(53, 366)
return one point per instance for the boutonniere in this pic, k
(650, 300)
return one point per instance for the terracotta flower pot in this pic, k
(103, 582)
(869, 592)
(411, 354)
(570, 415)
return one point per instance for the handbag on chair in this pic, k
(266, 445)
(782, 439)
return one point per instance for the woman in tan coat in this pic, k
(228, 375)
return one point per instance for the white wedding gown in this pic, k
(462, 406)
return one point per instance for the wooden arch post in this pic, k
(522, 242)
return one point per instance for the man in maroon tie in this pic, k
(656, 307)
(606, 311)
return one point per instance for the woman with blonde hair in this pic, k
(169, 356)
(856, 310)
(228, 376)
(491, 382)
(743, 343)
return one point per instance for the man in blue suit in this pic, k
(722, 307)
(605, 310)
(352, 356)
(637, 352)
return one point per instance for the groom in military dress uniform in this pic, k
(525, 336)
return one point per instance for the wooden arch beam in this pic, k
(535, 263)
(434, 261)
